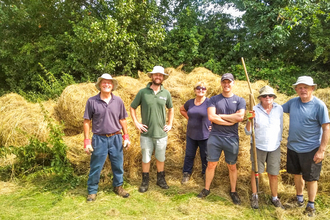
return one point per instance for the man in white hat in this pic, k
(108, 115)
(153, 100)
(309, 133)
(268, 127)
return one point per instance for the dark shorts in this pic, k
(217, 144)
(303, 164)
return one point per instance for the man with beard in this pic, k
(107, 114)
(153, 100)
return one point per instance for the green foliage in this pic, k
(38, 159)
(49, 88)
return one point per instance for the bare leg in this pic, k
(232, 176)
(299, 183)
(312, 190)
(209, 174)
(273, 183)
(145, 167)
(160, 166)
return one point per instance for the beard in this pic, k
(157, 83)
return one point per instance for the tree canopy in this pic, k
(48, 40)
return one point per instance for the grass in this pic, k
(28, 200)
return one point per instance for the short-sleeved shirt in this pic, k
(268, 127)
(306, 120)
(153, 110)
(226, 105)
(105, 117)
(198, 122)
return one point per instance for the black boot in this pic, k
(145, 183)
(161, 180)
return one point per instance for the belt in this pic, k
(110, 135)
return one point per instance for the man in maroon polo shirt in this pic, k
(108, 115)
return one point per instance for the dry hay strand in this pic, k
(21, 120)
(76, 154)
(71, 106)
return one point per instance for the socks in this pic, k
(310, 204)
(300, 198)
(274, 198)
(254, 195)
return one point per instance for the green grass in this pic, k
(23, 200)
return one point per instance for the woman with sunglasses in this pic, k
(198, 130)
(268, 126)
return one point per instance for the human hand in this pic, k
(127, 143)
(87, 146)
(167, 128)
(250, 115)
(142, 128)
(319, 156)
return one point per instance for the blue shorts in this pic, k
(148, 145)
(216, 144)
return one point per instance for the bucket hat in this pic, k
(307, 80)
(106, 76)
(158, 69)
(228, 76)
(267, 90)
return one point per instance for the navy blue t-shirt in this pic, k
(198, 122)
(224, 105)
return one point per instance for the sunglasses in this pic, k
(270, 96)
(200, 88)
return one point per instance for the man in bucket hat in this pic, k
(224, 111)
(153, 100)
(308, 137)
(108, 115)
(268, 127)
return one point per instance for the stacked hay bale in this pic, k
(20, 120)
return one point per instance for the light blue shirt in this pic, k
(267, 127)
(306, 120)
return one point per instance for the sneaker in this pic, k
(203, 194)
(309, 211)
(254, 202)
(277, 203)
(185, 178)
(234, 196)
(300, 204)
(121, 192)
(91, 197)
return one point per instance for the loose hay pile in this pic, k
(17, 115)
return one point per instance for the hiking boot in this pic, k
(185, 178)
(145, 183)
(203, 194)
(91, 197)
(277, 203)
(254, 202)
(309, 211)
(121, 192)
(161, 180)
(234, 196)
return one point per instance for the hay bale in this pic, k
(71, 106)
(21, 120)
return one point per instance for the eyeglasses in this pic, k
(200, 88)
(264, 96)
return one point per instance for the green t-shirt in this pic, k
(153, 111)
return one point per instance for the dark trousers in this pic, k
(191, 148)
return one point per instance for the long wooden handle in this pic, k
(248, 80)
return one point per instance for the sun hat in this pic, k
(228, 76)
(106, 76)
(158, 69)
(267, 90)
(307, 80)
